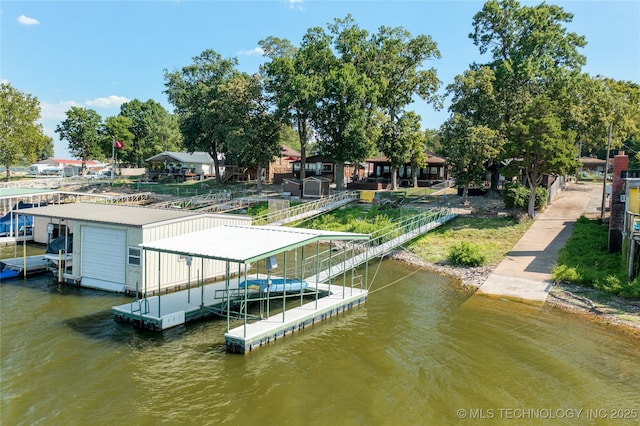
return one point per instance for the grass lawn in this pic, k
(495, 237)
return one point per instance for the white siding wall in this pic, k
(173, 270)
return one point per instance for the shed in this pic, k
(292, 186)
(107, 239)
(315, 187)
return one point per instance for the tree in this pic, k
(543, 145)
(475, 111)
(81, 129)
(533, 58)
(393, 60)
(289, 77)
(340, 119)
(468, 147)
(193, 91)
(47, 149)
(255, 139)
(117, 128)
(21, 137)
(153, 130)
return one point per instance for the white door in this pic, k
(103, 258)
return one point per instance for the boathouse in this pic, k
(107, 238)
(263, 264)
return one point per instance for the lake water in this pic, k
(421, 351)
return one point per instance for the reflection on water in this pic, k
(419, 351)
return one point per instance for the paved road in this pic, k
(525, 273)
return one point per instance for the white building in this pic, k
(107, 238)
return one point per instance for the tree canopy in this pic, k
(21, 137)
(81, 129)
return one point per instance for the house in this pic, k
(378, 173)
(107, 238)
(282, 166)
(592, 165)
(180, 165)
(318, 165)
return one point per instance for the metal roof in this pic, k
(244, 244)
(107, 213)
(197, 157)
(24, 192)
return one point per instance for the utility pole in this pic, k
(606, 169)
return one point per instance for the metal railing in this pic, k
(306, 210)
(333, 262)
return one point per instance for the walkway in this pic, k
(525, 273)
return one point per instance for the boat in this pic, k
(60, 250)
(14, 267)
(7, 271)
(274, 285)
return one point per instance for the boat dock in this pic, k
(247, 337)
(23, 266)
(244, 248)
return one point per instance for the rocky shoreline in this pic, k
(621, 314)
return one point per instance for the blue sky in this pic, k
(99, 54)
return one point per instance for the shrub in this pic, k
(565, 273)
(516, 197)
(466, 254)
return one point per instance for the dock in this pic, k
(18, 267)
(245, 338)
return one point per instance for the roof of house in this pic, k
(107, 213)
(244, 244)
(287, 151)
(73, 162)
(432, 159)
(197, 157)
(592, 161)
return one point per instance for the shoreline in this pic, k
(619, 313)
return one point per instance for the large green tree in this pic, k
(153, 130)
(21, 137)
(341, 119)
(468, 147)
(475, 111)
(82, 130)
(533, 58)
(254, 140)
(193, 91)
(290, 77)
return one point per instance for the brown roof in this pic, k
(432, 159)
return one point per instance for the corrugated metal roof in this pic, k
(24, 192)
(106, 213)
(243, 244)
(197, 157)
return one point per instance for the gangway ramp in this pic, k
(381, 243)
(307, 210)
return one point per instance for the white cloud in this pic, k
(108, 102)
(25, 20)
(55, 112)
(295, 4)
(255, 51)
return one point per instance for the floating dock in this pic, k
(245, 338)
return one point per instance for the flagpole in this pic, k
(113, 156)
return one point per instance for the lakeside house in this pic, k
(180, 166)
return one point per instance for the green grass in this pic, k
(357, 219)
(585, 260)
(494, 237)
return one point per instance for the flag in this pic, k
(118, 144)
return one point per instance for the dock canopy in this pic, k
(244, 244)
